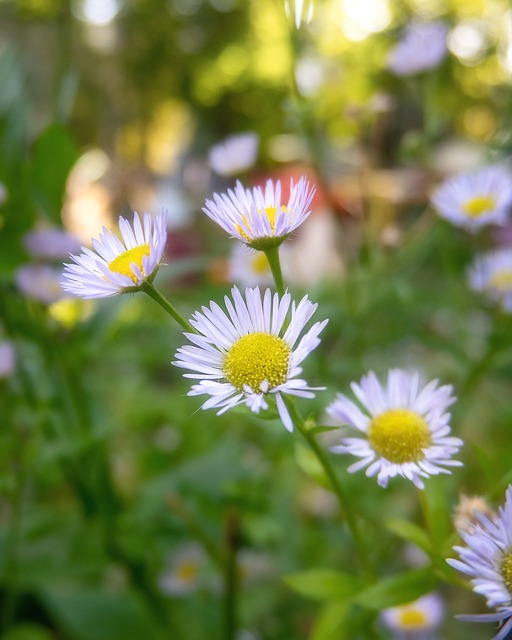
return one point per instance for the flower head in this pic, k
(407, 430)
(416, 620)
(475, 199)
(259, 218)
(248, 267)
(487, 557)
(492, 273)
(250, 354)
(234, 154)
(51, 243)
(40, 282)
(423, 47)
(117, 266)
(7, 358)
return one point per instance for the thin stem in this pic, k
(275, 267)
(232, 542)
(152, 291)
(337, 487)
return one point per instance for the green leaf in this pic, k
(99, 615)
(308, 462)
(328, 624)
(410, 532)
(324, 584)
(54, 154)
(323, 429)
(398, 589)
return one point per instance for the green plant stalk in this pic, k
(337, 487)
(152, 291)
(275, 266)
(232, 544)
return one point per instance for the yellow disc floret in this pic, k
(122, 263)
(269, 212)
(259, 263)
(412, 619)
(257, 358)
(502, 280)
(399, 435)
(477, 206)
(506, 570)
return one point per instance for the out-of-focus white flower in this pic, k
(465, 517)
(422, 47)
(184, 571)
(492, 274)
(299, 11)
(416, 620)
(487, 558)
(234, 154)
(248, 267)
(407, 428)
(51, 244)
(117, 266)
(251, 353)
(259, 218)
(40, 282)
(7, 358)
(475, 199)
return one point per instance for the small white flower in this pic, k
(492, 273)
(407, 429)
(185, 570)
(422, 47)
(417, 620)
(250, 353)
(7, 358)
(117, 266)
(248, 267)
(234, 154)
(259, 218)
(487, 557)
(51, 243)
(300, 11)
(40, 282)
(475, 199)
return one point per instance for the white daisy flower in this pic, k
(118, 266)
(50, 243)
(422, 47)
(7, 359)
(407, 429)
(487, 557)
(249, 268)
(492, 273)
(184, 573)
(475, 199)
(300, 11)
(259, 218)
(40, 282)
(252, 352)
(234, 154)
(416, 620)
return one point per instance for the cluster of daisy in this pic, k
(473, 201)
(251, 351)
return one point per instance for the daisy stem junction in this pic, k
(337, 487)
(152, 291)
(275, 266)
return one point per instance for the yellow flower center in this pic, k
(259, 263)
(502, 279)
(122, 263)
(256, 358)
(270, 212)
(399, 435)
(506, 570)
(478, 205)
(187, 571)
(412, 619)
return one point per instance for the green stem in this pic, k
(152, 291)
(275, 267)
(232, 543)
(337, 487)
